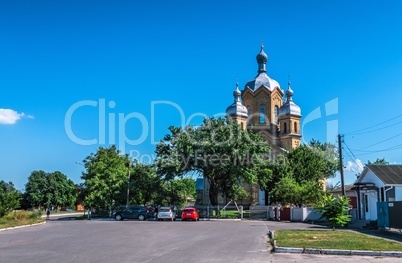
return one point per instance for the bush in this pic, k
(23, 215)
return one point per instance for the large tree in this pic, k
(106, 173)
(299, 175)
(9, 198)
(220, 150)
(145, 184)
(50, 190)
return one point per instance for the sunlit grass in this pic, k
(20, 218)
(328, 239)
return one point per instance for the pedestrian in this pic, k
(47, 214)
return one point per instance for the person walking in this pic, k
(47, 214)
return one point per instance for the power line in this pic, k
(357, 132)
(349, 149)
(382, 128)
(397, 147)
(382, 141)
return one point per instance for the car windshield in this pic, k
(188, 210)
(164, 210)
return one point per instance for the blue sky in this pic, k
(146, 65)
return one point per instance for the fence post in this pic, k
(241, 212)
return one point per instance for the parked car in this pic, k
(132, 212)
(166, 213)
(190, 213)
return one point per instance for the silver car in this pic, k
(166, 213)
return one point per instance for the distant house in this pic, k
(377, 183)
(337, 191)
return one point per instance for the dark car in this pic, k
(133, 212)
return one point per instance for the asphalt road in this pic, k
(151, 241)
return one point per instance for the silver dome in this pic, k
(237, 108)
(289, 107)
(262, 79)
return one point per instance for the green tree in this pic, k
(180, 190)
(313, 162)
(219, 149)
(145, 184)
(379, 161)
(298, 176)
(9, 198)
(106, 173)
(35, 188)
(334, 209)
(50, 190)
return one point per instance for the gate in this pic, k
(382, 214)
(389, 214)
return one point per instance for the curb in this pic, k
(337, 252)
(16, 227)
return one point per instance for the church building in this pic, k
(265, 108)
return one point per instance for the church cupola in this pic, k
(262, 79)
(289, 122)
(262, 59)
(289, 107)
(237, 111)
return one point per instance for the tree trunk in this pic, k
(213, 194)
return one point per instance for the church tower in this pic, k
(289, 122)
(237, 112)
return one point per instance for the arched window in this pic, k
(262, 114)
(249, 115)
(276, 109)
(295, 126)
(284, 128)
(242, 125)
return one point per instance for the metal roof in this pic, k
(388, 174)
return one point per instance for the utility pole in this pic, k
(128, 184)
(341, 164)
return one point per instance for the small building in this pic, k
(377, 183)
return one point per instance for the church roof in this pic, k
(289, 107)
(237, 108)
(262, 79)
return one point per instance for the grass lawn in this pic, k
(328, 239)
(232, 214)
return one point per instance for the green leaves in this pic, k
(9, 198)
(334, 209)
(49, 189)
(105, 174)
(219, 149)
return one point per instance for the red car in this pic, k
(190, 213)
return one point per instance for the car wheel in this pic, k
(141, 217)
(118, 217)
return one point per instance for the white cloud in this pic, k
(355, 167)
(9, 116)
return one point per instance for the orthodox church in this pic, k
(265, 108)
(260, 106)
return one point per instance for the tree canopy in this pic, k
(49, 190)
(299, 175)
(106, 173)
(9, 198)
(219, 149)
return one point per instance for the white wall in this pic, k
(398, 193)
(370, 177)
